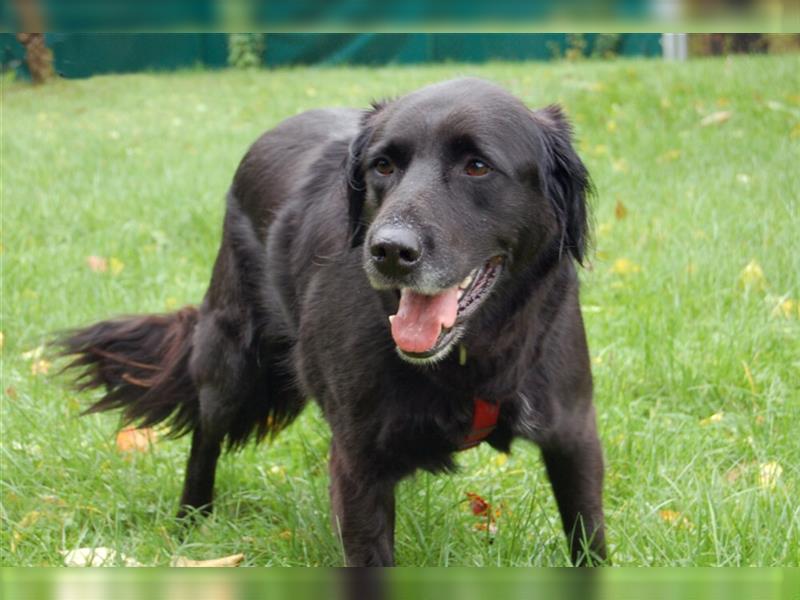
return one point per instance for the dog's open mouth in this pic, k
(426, 326)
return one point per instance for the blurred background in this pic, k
(409, 33)
(70, 55)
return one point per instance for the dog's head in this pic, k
(453, 189)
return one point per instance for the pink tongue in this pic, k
(419, 319)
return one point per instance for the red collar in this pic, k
(484, 420)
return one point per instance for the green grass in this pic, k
(135, 168)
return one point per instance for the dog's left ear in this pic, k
(564, 179)
(356, 186)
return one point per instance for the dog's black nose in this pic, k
(395, 250)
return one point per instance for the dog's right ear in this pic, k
(356, 185)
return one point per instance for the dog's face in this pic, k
(454, 189)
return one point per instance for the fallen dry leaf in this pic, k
(11, 392)
(478, 505)
(98, 264)
(132, 439)
(620, 211)
(768, 475)
(97, 557)
(234, 560)
(51, 499)
(734, 474)
(716, 118)
(491, 527)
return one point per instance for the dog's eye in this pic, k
(384, 167)
(477, 168)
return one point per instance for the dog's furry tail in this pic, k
(143, 364)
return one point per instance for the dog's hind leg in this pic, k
(207, 438)
(218, 369)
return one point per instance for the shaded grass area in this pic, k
(696, 355)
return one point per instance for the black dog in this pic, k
(412, 268)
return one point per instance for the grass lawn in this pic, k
(691, 305)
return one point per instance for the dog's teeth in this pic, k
(391, 318)
(460, 293)
(465, 284)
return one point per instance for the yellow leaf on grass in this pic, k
(673, 517)
(669, 516)
(285, 535)
(34, 354)
(716, 118)
(787, 308)
(670, 156)
(624, 266)
(98, 264)
(234, 560)
(115, 265)
(97, 557)
(132, 439)
(26, 521)
(620, 166)
(752, 276)
(620, 211)
(2, 340)
(768, 475)
(749, 374)
(40, 367)
(611, 126)
(715, 418)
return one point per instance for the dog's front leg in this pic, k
(574, 465)
(363, 512)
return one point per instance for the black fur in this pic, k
(296, 308)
